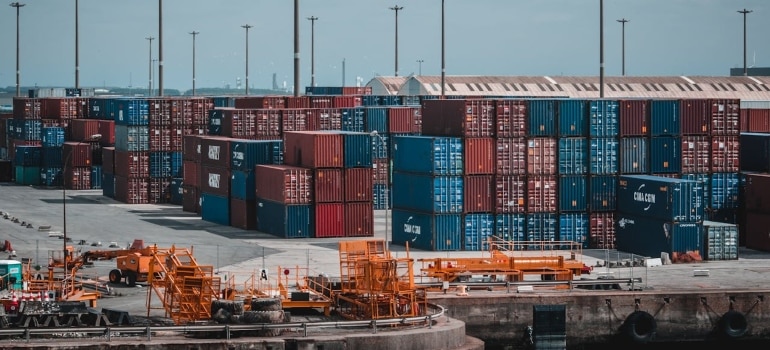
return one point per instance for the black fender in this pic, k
(732, 324)
(639, 327)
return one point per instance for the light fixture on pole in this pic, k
(383, 143)
(149, 69)
(623, 22)
(419, 62)
(312, 20)
(193, 33)
(18, 6)
(744, 12)
(396, 8)
(247, 26)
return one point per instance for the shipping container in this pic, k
(159, 138)
(695, 116)
(377, 119)
(191, 173)
(634, 117)
(242, 185)
(191, 148)
(574, 227)
(573, 115)
(353, 119)
(297, 102)
(359, 219)
(215, 180)
(132, 164)
(108, 160)
(76, 154)
(191, 199)
(284, 184)
(756, 192)
(246, 154)
(28, 156)
(215, 151)
(107, 130)
(328, 185)
(27, 175)
(634, 155)
(324, 119)
(541, 227)
(314, 149)
(108, 185)
(511, 156)
(432, 232)
(542, 194)
(358, 184)
(665, 118)
(402, 120)
(725, 117)
(158, 191)
(458, 118)
(696, 154)
(541, 156)
(96, 177)
(479, 197)
(572, 155)
(704, 179)
(215, 208)
(51, 176)
(477, 230)
(175, 189)
(329, 220)
(723, 191)
(479, 155)
(52, 136)
(426, 154)
(510, 194)
(661, 198)
(285, 220)
(243, 213)
(350, 101)
(160, 164)
(720, 241)
(754, 152)
(294, 119)
(428, 194)
(603, 118)
(77, 178)
(132, 138)
(381, 196)
(356, 149)
(647, 236)
(665, 155)
(542, 117)
(511, 117)
(27, 108)
(380, 146)
(130, 111)
(267, 102)
(83, 129)
(725, 154)
(756, 120)
(572, 193)
(511, 227)
(28, 130)
(602, 230)
(604, 156)
(755, 231)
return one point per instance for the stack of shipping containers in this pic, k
(245, 155)
(215, 179)
(132, 159)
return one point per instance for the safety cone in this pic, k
(45, 297)
(38, 297)
(14, 299)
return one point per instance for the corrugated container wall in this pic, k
(215, 151)
(246, 154)
(401, 120)
(665, 155)
(132, 138)
(215, 180)
(542, 193)
(572, 155)
(131, 111)
(479, 155)
(284, 220)
(696, 154)
(723, 191)
(510, 194)
(720, 241)
(755, 231)
(478, 194)
(358, 184)
(460, 118)
(352, 119)
(695, 116)
(541, 156)
(428, 194)
(542, 117)
(572, 117)
(284, 184)
(511, 156)
(52, 136)
(602, 230)
(725, 153)
(511, 117)
(477, 228)
(756, 192)
(665, 118)
(328, 185)
(359, 219)
(574, 227)
(430, 155)
(662, 198)
(511, 227)
(650, 237)
(601, 194)
(755, 152)
(756, 120)
(377, 119)
(603, 118)
(435, 232)
(541, 227)
(313, 149)
(215, 208)
(356, 149)
(76, 154)
(329, 220)
(634, 117)
(572, 193)
(294, 120)
(634, 155)
(725, 117)
(604, 156)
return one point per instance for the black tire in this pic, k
(640, 327)
(733, 324)
(131, 278)
(115, 276)
(266, 304)
(232, 307)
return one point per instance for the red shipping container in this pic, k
(77, 178)
(725, 116)
(132, 164)
(401, 120)
(191, 173)
(468, 118)
(478, 196)
(243, 214)
(107, 130)
(75, 154)
(542, 194)
(696, 154)
(328, 186)
(541, 156)
(757, 120)
(27, 108)
(158, 191)
(351, 101)
(268, 123)
(511, 156)
(358, 185)
(725, 154)
(634, 117)
(191, 148)
(329, 220)
(159, 111)
(108, 160)
(510, 194)
(356, 90)
(284, 184)
(755, 231)
(511, 118)
(313, 149)
(479, 155)
(238, 123)
(297, 102)
(3, 127)
(602, 230)
(83, 129)
(215, 180)
(324, 119)
(176, 138)
(417, 127)
(380, 171)
(695, 116)
(359, 219)
(270, 102)
(131, 191)
(321, 101)
(294, 119)
(744, 120)
(191, 199)
(757, 192)
(159, 138)
(62, 107)
(215, 151)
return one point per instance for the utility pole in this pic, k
(312, 20)
(443, 61)
(18, 71)
(160, 48)
(149, 85)
(601, 48)
(343, 72)
(77, 47)
(623, 22)
(744, 12)
(419, 62)
(397, 8)
(296, 48)
(247, 26)
(193, 33)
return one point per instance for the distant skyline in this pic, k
(483, 37)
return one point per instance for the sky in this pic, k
(482, 37)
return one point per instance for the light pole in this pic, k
(419, 62)
(374, 133)
(77, 47)
(193, 33)
(443, 61)
(396, 8)
(18, 6)
(152, 69)
(149, 69)
(601, 48)
(160, 48)
(623, 22)
(744, 12)
(296, 48)
(247, 26)
(312, 20)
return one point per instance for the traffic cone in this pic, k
(38, 297)
(14, 299)
(45, 297)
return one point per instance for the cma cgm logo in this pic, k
(214, 152)
(214, 180)
(643, 197)
(623, 222)
(412, 229)
(238, 156)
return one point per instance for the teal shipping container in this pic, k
(603, 118)
(478, 227)
(353, 119)
(601, 193)
(572, 193)
(285, 220)
(572, 155)
(108, 185)
(604, 156)
(131, 111)
(659, 197)
(433, 232)
(243, 185)
(705, 181)
(647, 236)
(96, 177)
(723, 191)
(665, 118)
(720, 241)
(541, 227)
(356, 149)
(246, 154)
(542, 117)
(28, 175)
(665, 155)
(572, 117)
(175, 189)
(215, 209)
(428, 194)
(11, 270)
(574, 227)
(376, 119)
(428, 155)
(51, 177)
(511, 227)
(633, 155)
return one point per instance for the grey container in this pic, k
(720, 241)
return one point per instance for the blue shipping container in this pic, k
(51, 177)
(542, 117)
(245, 155)
(664, 118)
(391, 100)
(376, 119)
(572, 117)
(52, 136)
(572, 193)
(177, 158)
(108, 185)
(511, 227)
(132, 138)
(28, 156)
(428, 194)
(574, 227)
(665, 155)
(660, 197)
(215, 209)
(604, 156)
(380, 146)
(650, 237)
(356, 149)
(429, 155)
(242, 185)
(755, 152)
(723, 191)
(478, 228)
(603, 118)
(370, 100)
(572, 155)
(96, 177)
(353, 119)
(601, 196)
(131, 111)
(705, 181)
(27, 175)
(634, 155)
(29, 130)
(215, 121)
(541, 227)
(284, 220)
(176, 191)
(224, 101)
(434, 232)
(160, 165)
(380, 200)
(51, 157)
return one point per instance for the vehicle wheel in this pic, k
(131, 278)
(115, 276)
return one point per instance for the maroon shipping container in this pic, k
(77, 178)
(131, 191)
(132, 164)
(177, 133)
(350, 101)
(191, 173)
(359, 219)
(510, 194)
(634, 117)
(542, 194)
(755, 231)
(238, 123)
(159, 138)
(541, 156)
(268, 124)
(107, 130)
(511, 156)
(602, 230)
(757, 192)
(313, 149)
(695, 116)
(191, 148)
(356, 90)
(243, 214)
(358, 184)
(511, 118)
(725, 116)
(190, 199)
(725, 154)
(295, 119)
(324, 119)
(159, 111)
(83, 129)
(215, 151)
(401, 119)
(321, 101)
(417, 127)
(696, 154)
(75, 154)
(269, 102)
(479, 155)
(27, 108)
(297, 102)
(380, 171)
(3, 127)
(158, 191)
(328, 186)
(62, 107)
(468, 118)
(478, 196)
(7, 171)
(284, 184)
(108, 160)
(329, 220)
(215, 180)
(757, 120)
(744, 121)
